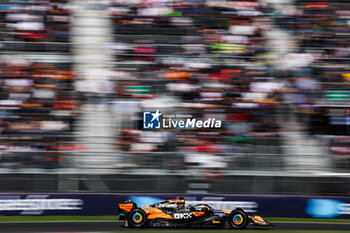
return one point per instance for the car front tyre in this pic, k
(238, 219)
(137, 218)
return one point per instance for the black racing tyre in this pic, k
(137, 218)
(238, 219)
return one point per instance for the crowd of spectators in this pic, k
(37, 108)
(209, 59)
(212, 59)
(322, 30)
(35, 21)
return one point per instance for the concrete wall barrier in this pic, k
(106, 204)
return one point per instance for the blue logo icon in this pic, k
(323, 208)
(151, 120)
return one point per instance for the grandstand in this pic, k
(76, 77)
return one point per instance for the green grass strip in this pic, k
(55, 218)
(327, 220)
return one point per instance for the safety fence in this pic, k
(206, 181)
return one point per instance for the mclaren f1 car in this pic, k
(175, 213)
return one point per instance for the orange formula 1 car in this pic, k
(172, 213)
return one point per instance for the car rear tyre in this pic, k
(137, 218)
(238, 219)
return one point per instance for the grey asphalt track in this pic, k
(108, 226)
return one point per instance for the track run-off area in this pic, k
(117, 226)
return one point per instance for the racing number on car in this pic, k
(182, 215)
